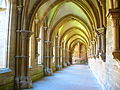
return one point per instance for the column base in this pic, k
(48, 72)
(23, 83)
(68, 63)
(64, 65)
(59, 67)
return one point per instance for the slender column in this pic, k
(37, 39)
(22, 79)
(57, 52)
(63, 55)
(49, 61)
(114, 14)
(45, 62)
(111, 4)
(51, 58)
(60, 51)
(102, 43)
(62, 48)
(93, 49)
(70, 57)
(59, 56)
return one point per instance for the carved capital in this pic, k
(26, 33)
(114, 13)
(116, 54)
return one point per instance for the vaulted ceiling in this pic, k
(72, 20)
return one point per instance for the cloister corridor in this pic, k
(59, 44)
(74, 77)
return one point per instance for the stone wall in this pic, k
(108, 72)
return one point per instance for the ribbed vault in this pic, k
(68, 21)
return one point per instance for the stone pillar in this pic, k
(49, 57)
(111, 4)
(70, 57)
(101, 43)
(56, 53)
(48, 62)
(63, 55)
(59, 56)
(37, 39)
(22, 61)
(45, 61)
(22, 79)
(114, 14)
(93, 49)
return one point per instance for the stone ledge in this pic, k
(5, 70)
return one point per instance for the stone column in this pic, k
(63, 55)
(57, 53)
(70, 57)
(22, 61)
(102, 43)
(22, 79)
(51, 58)
(49, 61)
(111, 4)
(37, 39)
(114, 14)
(93, 48)
(45, 62)
(59, 56)
(60, 51)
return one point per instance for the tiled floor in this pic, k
(75, 77)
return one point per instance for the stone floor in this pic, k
(75, 77)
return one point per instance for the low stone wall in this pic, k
(106, 73)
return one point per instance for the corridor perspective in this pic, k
(71, 42)
(75, 77)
